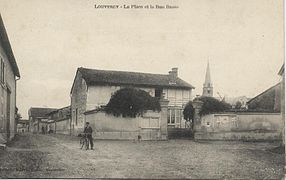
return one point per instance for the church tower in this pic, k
(208, 87)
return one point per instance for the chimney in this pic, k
(173, 74)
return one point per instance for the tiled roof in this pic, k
(7, 47)
(94, 77)
(264, 92)
(40, 112)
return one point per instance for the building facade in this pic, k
(93, 88)
(9, 74)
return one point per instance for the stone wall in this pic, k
(150, 126)
(240, 126)
(62, 126)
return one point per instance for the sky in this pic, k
(242, 40)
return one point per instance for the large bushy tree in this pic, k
(131, 102)
(188, 111)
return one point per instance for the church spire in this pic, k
(208, 75)
(208, 87)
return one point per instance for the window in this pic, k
(186, 94)
(178, 115)
(158, 93)
(174, 116)
(2, 70)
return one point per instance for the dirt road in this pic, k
(58, 156)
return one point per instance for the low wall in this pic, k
(149, 126)
(241, 126)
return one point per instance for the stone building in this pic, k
(59, 121)
(9, 74)
(93, 88)
(38, 119)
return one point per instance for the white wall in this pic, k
(150, 126)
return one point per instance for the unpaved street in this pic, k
(59, 156)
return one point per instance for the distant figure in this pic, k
(88, 133)
(139, 138)
(43, 130)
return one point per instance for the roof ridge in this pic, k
(95, 76)
(42, 108)
(268, 89)
(122, 71)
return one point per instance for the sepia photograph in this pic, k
(149, 89)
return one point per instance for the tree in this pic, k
(131, 102)
(18, 116)
(238, 105)
(212, 105)
(188, 112)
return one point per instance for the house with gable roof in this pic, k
(93, 88)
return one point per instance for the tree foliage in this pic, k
(212, 105)
(238, 105)
(130, 102)
(189, 111)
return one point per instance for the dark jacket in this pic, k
(88, 130)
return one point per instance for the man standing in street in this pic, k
(88, 133)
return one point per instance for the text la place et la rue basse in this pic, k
(104, 6)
